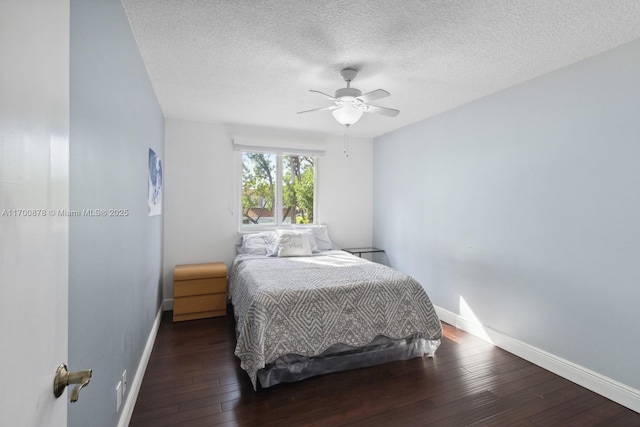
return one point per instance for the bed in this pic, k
(304, 308)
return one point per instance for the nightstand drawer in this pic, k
(200, 303)
(199, 287)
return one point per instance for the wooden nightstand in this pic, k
(199, 291)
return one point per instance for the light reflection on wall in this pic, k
(474, 325)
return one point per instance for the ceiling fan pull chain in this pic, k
(346, 143)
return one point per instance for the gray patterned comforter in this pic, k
(304, 305)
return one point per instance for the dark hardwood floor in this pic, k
(193, 379)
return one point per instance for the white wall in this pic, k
(201, 213)
(522, 210)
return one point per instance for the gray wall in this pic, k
(115, 263)
(523, 210)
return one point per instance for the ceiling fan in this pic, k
(350, 103)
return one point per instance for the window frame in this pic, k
(278, 218)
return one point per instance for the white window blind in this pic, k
(279, 146)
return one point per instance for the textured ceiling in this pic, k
(253, 62)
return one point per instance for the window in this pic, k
(277, 189)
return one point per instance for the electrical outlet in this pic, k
(124, 383)
(118, 395)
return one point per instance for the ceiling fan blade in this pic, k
(324, 94)
(333, 107)
(372, 96)
(390, 112)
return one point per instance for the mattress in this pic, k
(304, 306)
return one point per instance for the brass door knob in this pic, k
(64, 378)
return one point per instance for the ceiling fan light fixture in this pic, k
(347, 114)
(350, 103)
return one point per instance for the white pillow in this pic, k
(312, 240)
(258, 243)
(293, 243)
(321, 233)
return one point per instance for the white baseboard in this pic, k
(607, 387)
(132, 397)
(167, 304)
